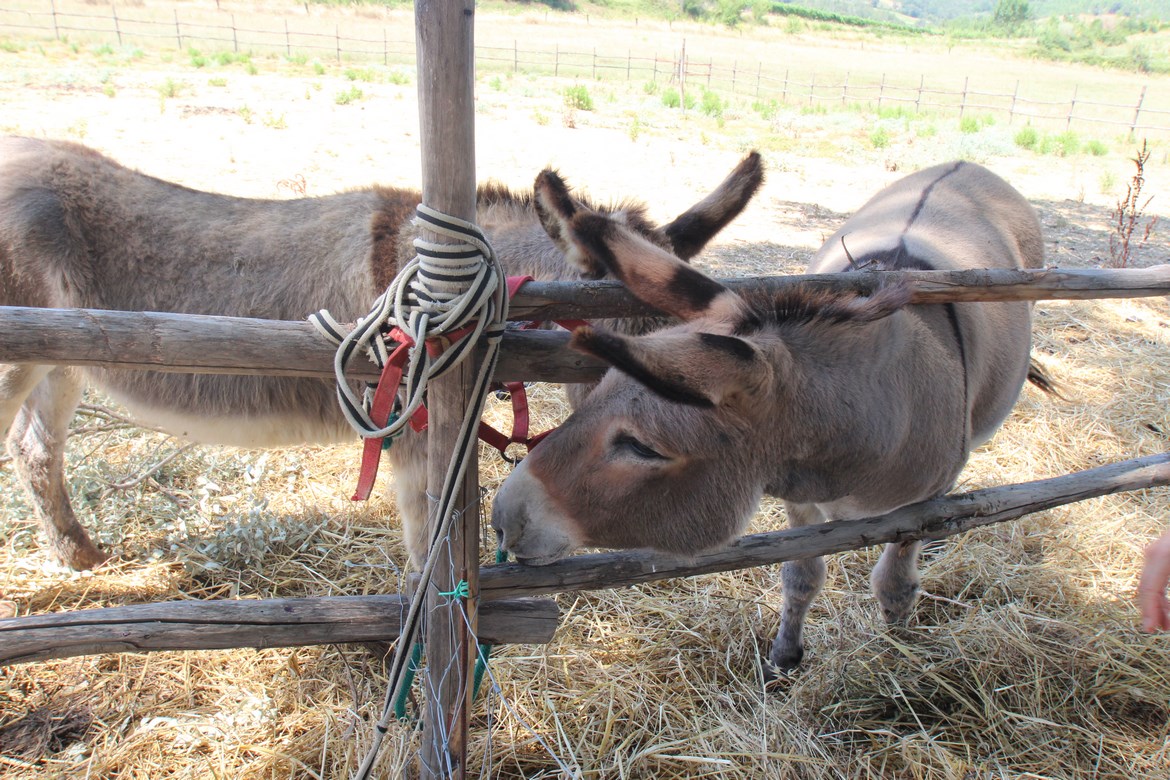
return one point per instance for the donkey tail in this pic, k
(1039, 377)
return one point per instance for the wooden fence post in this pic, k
(287, 41)
(881, 92)
(845, 89)
(963, 98)
(1012, 109)
(918, 100)
(1136, 112)
(117, 27)
(53, 9)
(446, 68)
(1071, 106)
(759, 75)
(337, 40)
(178, 32)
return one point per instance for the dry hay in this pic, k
(1023, 659)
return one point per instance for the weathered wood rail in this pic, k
(235, 345)
(220, 625)
(505, 614)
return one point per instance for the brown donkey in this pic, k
(79, 230)
(843, 406)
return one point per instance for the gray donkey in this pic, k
(843, 406)
(79, 230)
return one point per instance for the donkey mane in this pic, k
(805, 304)
(495, 194)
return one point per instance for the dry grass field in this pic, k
(1022, 661)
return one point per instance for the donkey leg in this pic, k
(37, 443)
(408, 458)
(16, 382)
(802, 581)
(895, 580)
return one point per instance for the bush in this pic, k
(969, 124)
(879, 137)
(348, 96)
(577, 97)
(670, 98)
(1027, 138)
(1096, 148)
(712, 104)
(1067, 144)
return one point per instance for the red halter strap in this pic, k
(386, 393)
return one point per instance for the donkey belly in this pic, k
(231, 410)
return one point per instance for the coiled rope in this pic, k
(445, 288)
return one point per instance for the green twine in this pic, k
(407, 681)
(460, 591)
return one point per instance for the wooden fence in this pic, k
(230, 345)
(763, 82)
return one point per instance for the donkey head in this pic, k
(631, 468)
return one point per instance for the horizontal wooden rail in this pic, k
(564, 300)
(189, 343)
(234, 345)
(935, 519)
(218, 625)
(507, 618)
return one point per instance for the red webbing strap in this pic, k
(387, 391)
(385, 395)
(383, 404)
(514, 285)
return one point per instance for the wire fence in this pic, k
(759, 81)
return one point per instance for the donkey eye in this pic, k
(628, 443)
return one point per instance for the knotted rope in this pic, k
(446, 288)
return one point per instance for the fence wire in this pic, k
(759, 81)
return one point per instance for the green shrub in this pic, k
(766, 110)
(968, 124)
(670, 98)
(1096, 148)
(348, 96)
(712, 104)
(1027, 137)
(577, 97)
(169, 88)
(361, 74)
(879, 137)
(650, 87)
(1067, 144)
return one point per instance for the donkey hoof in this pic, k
(779, 665)
(79, 556)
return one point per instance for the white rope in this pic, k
(445, 287)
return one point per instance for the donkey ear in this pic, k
(698, 369)
(657, 277)
(555, 208)
(692, 229)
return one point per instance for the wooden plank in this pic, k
(218, 625)
(237, 345)
(608, 298)
(190, 343)
(934, 519)
(444, 36)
